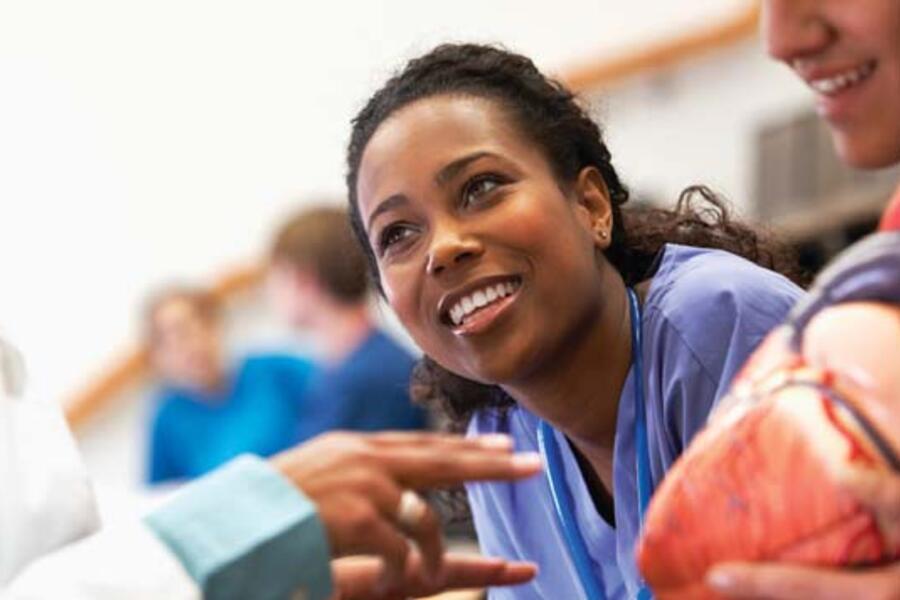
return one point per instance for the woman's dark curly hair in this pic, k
(548, 114)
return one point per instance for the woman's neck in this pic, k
(579, 392)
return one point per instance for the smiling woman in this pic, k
(849, 56)
(493, 219)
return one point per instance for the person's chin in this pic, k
(866, 154)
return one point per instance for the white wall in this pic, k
(144, 141)
(698, 123)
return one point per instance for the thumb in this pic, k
(777, 582)
(881, 494)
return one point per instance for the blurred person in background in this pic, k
(206, 410)
(848, 52)
(319, 284)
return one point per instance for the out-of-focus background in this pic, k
(149, 142)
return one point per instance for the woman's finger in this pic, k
(393, 549)
(881, 494)
(425, 529)
(419, 521)
(358, 527)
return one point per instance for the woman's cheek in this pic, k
(530, 222)
(402, 293)
(397, 296)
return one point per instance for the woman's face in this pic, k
(489, 264)
(848, 52)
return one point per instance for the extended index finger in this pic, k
(428, 468)
(447, 442)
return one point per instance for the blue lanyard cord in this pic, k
(562, 499)
(562, 502)
(642, 453)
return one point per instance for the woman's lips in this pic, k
(838, 81)
(838, 92)
(484, 317)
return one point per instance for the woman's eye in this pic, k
(479, 188)
(392, 235)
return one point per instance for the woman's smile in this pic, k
(478, 305)
(847, 53)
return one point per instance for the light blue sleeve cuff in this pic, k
(245, 532)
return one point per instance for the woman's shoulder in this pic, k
(705, 313)
(693, 284)
(715, 305)
(515, 421)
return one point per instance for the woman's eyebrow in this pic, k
(385, 205)
(451, 170)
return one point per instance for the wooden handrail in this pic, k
(133, 366)
(665, 54)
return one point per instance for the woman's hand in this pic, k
(881, 495)
(357, 578)
(357, 482)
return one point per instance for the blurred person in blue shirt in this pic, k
(206, 412)
(318, 282)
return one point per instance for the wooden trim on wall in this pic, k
(130, 368)
(118, 376)
(665, 54)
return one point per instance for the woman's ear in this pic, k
(593, 200)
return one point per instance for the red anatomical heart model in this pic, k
(768, 478)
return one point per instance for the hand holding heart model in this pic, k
(773, 476)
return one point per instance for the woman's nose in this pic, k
(451, 247)
(794, 29)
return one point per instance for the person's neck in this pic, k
(579, 392)
(212, 387)
(341, 329)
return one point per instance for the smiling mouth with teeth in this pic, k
(471, 303)
(830, 86)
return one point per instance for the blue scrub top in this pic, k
(256, 412)
(704, 314)
(367, 391)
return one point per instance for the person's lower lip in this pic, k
(839, 106)
(485, 317)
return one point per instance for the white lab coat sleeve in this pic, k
(46, 499)
(48, 518)
(125, 561)
(243, 531)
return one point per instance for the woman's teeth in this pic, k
(470, 303)
(830, 86)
